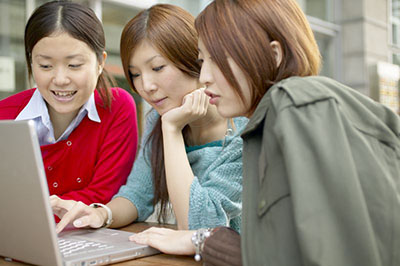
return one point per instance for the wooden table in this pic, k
(155, 260)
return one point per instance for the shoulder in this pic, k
(120, 99)
(299, 91)
(121, 95)
(14, 104)
(307, 94)
(122, 105)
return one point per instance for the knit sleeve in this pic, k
(139, 186)
(215, 198)
(115, 156)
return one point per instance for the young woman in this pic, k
(191, 158)
(321, 162)
(87, 131)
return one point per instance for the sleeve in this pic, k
(115, 156)
(139, 186)
(331, 219)
(217, 201)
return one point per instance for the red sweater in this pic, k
(97, 158)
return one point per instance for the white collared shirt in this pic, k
(36, 110)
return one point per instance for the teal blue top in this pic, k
(215, 193)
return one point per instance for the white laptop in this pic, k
(27, 226)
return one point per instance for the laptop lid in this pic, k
(27, 227)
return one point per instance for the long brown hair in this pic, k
(244, 29)
(78, 21)
(170, 29)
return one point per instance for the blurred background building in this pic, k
(359, 41)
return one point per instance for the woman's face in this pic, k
(66, 71)
(228, 102)
(158, 80)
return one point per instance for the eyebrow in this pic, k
(147, 61)
(68, 57)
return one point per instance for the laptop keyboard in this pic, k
(72, 247)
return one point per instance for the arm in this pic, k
(215, 198)
(115, 155)
(178, 171)
(133, 201)
(330, 214)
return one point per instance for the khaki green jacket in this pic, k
(321, 178)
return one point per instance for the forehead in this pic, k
(144, 53)
(61, 44)
(202, 48)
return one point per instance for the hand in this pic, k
(194, 106)
(177, 242)
(77, 213)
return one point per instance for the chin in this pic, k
(226, 113)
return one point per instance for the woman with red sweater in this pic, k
(87, 131)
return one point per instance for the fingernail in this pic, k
(77, 223)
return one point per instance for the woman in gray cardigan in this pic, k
(321, 162)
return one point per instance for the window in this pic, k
(321, 15)
(395, 31)
(12, 54)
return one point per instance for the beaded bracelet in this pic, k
(198, 239)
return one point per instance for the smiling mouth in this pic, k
(64, 94)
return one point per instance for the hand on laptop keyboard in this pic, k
(76, 213)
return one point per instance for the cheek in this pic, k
(88, 77)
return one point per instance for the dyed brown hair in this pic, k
(170, 29)
(243, 30)
(78, 21)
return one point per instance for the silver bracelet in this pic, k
(198, 239)
(109, 220)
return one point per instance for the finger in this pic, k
(187, 99)
(60, 206)
(197, 101)
(83, 222)
(151, 239)
(205, 100)
(70, 216)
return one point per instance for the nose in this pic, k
(148, 83)
(206, 76)
(61, 77)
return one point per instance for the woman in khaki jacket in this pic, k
(321, 162)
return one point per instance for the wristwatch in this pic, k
(109, 220)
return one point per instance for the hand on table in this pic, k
(177, 242)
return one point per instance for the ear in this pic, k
(103, 62)
(277, 50)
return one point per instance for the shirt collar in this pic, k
(90, 106)
(36, 107)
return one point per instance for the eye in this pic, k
(158, 68)
(133, 76)
(44, 66)
(199, 61)
(75, 65)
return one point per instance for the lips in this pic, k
(159, 101)
(64, 96)
(213, 97)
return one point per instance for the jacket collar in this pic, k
(259, 114)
